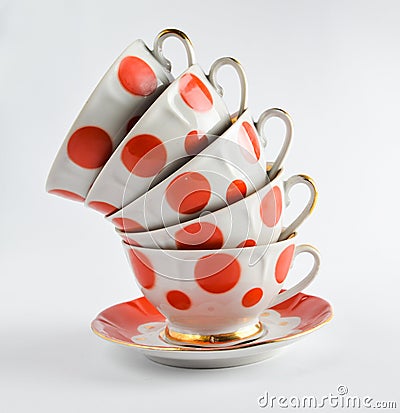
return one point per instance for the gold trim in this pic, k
(234, 118)
(213, 339)
(312, 182)
(197, 349)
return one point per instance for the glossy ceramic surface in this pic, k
(257, 219)
(138, 324)
(217, 292)
(155, 147)
(225, 171)
(129, 87)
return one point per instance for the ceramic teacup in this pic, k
(129, 87)
(191, 104)
(227, 170)
(216, 297)
(258, 219)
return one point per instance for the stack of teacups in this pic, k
(186, 185)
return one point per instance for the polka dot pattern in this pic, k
(89, 147)
(128, 225)
(236, 191)
(249, 143)
(103, 207)
(283, 264)
(217, 273)
(178, 300)
(67, 194)
(142, 268)
(195, 142)
(136, 76)
(188, 193)
(195, 93)
(247, 243)
(271, 207)
(144, 155)
(199, 236)
(252, 297)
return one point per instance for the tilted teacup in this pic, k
(227, 170)
(132, 83)
(257, 219)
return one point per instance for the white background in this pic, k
(333, 65)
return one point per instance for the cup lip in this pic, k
(241, 201)
(293, 237)
(197, 70)
(195, 67)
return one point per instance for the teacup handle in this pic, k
(288, 185)
(159, 42)
(264, 117)
(212, 77)
(306, 280)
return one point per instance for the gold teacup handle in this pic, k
(212, 77)
(159, 42)
(306, 280)
(264, 117)
(288, 185)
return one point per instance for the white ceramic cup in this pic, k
(133, 82)
(230, 168)
(155, 147)
(258, 219)
(216, 297)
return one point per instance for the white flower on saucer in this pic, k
(150, 334)
(279, 326)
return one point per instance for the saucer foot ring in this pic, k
(211, 361)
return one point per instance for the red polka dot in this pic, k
(103, 207)
(128, 225)
(144, 155)
(142, 268)
(89, 147)
(136, 76)
(199, 236)
(236, 191)
(188, 193)
(283, 263)
(249, 143)
(271, 207)
(132, 122)
(217, 273)
(130, 241)
(252, 297)
(67, 194)
(195, 93)
(247, 243)
(195, 142)
(178, 300)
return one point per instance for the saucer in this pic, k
(139, 324)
